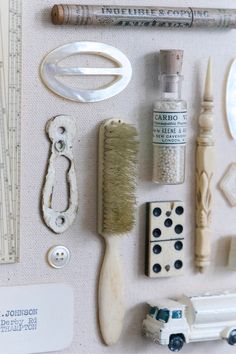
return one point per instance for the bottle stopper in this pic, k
(171, 61)
(58, 14)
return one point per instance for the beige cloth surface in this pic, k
(135, 105)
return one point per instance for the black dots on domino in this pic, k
(178, 264)
(156, 268)
(157, 212)
(168, 222)
(156, 232)
(157, 249)
(179, 210)
(178, 229)
(164, 251)
(178, 245)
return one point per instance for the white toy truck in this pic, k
(192, 319)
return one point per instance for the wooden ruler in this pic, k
(10, 110)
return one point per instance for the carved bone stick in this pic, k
(204, 174)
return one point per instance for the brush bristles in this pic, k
(119, 177)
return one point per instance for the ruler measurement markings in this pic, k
(10, 115)
(4, 10)
(18, 121)
(10, 108)
(9, 196)
(12, 87)
(5, 162)
(5, 176)
(2, 186)
(19, 124)
(15, 107)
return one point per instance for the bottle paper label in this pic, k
(169, 128)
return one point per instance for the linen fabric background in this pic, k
(134, 105)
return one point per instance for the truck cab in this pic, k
(166, 323)
(193, 318)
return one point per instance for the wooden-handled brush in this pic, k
(116, 205)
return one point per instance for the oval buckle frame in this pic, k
(50, 70)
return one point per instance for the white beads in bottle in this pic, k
(169, 123)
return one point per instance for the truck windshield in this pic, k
(163, 315)
(152, 311)
(177, 314)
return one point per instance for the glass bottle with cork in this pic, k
(169, 122)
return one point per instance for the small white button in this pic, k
(58, 256)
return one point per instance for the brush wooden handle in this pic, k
(111, 293)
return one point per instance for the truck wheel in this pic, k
(176, 343)
(232, 337)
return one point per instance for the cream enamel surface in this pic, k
(61, 131)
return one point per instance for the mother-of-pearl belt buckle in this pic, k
(51, 70)
(61, 131)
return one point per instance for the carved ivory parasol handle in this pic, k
(204, 175)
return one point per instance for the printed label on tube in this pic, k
(169, 128)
